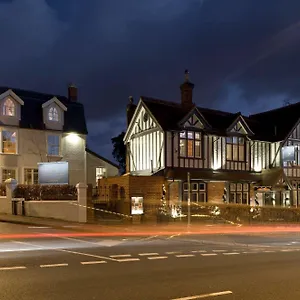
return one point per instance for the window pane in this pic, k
(182, 134)
(194, 197)
(239, 187)
(202, 197)
(182, 147)
(9, 108)
(202, 186)
(190, 148)
(238, 198)
(232, 198)
(235, 152)
(190, 135)
(232, 187)
(241, 140)
(229, 140)
(185, 186)
(229, 152)
(185, 196)
(53, 145)
(7, 174)
(241, 153)
(246, 187)
(195, 186)
(27, 176)
(197, 149)
(245, 198)
(197, 136)
(35, 176)
(9, 142)
(234, 140)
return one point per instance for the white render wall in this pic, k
(32, 149)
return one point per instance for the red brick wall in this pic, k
(174, 190)
(215, 191)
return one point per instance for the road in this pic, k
(230, 266)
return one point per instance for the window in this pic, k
(8, 173)
(100, 173)
(53, 145)
(9, 142)
(190, 144)
(9, 108)
(235, 148)
(31, 176)
(198, 191)
(53, 114)
(239, 193)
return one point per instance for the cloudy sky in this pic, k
(243, 55)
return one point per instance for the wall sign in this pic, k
(53, 173)
(137, 205)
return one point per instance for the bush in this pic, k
(46, 192)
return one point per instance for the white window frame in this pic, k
(9, 168)
(17, 140)
(53, 114)
(5, 108)
(32, 173)
(59, 149)
(98, 176)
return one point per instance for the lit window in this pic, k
(53, 114)
(31, 176)
(235, 148)
(7, 174)
(190, 144)
(9, 108)
(100, 173)
(53, 142)
(9, 142)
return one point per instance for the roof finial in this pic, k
(186, 75)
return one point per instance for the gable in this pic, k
(56, 101)
(239, 128)
(10, 93)
(142, 121)
(193, 122)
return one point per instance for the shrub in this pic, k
(46, 192)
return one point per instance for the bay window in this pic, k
(190, 144)
(235, 148)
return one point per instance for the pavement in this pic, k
(43, 262)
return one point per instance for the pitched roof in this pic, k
(32, 112)
(101, 157)
(273, 125)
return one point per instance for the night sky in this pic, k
(243, 55)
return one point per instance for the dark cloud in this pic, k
(240, 53)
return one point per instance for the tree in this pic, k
(119, 151)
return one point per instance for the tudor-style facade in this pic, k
(230, 157)
(37, 128)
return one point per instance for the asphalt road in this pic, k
(257, 266)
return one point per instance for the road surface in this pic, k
(241, 266)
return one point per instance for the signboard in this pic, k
(54, 173)
(137, 205)
(288, 153)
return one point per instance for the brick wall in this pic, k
(174, 190)
(215, 191)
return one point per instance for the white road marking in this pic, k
(209, 254)
(220, 250)
(173, 252)
(12, 268)
(128, 259)
(53, 265)
(30, 244)
(268, 251)
(231, 253)
(39, 227)
(198, 251)
(157, 257)
(120, 255)
(185, 255)
(148, 254)
(249, 252)
(87, 254)
(205, 295)
(170, 237)
(93, 262)
(287, 250)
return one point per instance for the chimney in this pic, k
(130, 109)
(187, 92)
(72, 93)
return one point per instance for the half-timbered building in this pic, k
(230, 157)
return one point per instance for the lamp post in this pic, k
(189, 198)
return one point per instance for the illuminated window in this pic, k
(235, 148)
(9, 142)
(100, 173)
(190, 144)
(53, 143)
(9, 108)
(239, 193)
(198, 191)
(31, 176)
(53, 114)
(8, 173)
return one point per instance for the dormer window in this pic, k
(53, 114)
(9, 108)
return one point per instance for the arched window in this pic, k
(9, 108)
(53, 114)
